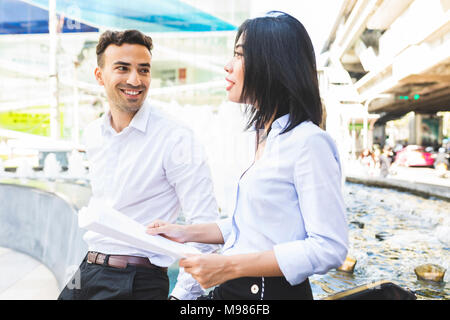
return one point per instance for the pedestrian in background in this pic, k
(385, 162)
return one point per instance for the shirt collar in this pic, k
(106, 122)
(281, 122)
(278, 124)
(140, 119)
(138, 122)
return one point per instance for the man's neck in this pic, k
(120, 119)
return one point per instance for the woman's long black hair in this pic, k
(280, 75)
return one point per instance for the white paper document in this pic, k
(103, 219)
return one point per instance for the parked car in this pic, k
(414, 156)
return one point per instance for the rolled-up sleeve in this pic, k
(317, 180)
(225, 227)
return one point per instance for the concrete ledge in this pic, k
(418, 188)
(43, 225)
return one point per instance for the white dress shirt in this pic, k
(290, 201)
(150, 170)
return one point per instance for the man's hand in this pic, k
(208, 269)
(174, 232)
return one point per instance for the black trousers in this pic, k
(258, 288)
(99, 282)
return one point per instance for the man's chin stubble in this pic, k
(128, 109)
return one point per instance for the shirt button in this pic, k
(254, 289)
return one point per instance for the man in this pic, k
(145, 166)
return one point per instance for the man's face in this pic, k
(125, 74)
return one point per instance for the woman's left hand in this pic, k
(208, 269)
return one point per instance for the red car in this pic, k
(414, 156)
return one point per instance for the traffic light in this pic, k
(415, 97)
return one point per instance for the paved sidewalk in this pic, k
(419, 180)
(24, 278)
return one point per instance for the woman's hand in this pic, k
(208, 269)
(174, 232)
(213, 269)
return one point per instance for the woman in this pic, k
(289, 221)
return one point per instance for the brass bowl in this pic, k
(430, 272)
(348, 265)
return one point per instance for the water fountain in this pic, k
(24, 169)
(76, 167)
(52, 168)
(2, 168)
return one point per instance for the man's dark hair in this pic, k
(280, 75)
(118, 38)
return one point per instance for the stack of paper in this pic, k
(103, 219)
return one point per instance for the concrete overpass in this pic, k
(396, 55)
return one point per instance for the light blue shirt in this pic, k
(290, 201)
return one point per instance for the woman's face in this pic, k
(235, 70)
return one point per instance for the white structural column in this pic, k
(53, 71)
(366, 117)
(76, 105)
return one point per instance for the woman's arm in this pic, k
(213, 269)
(318, 183)
(202, 233)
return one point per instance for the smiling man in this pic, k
(145, 166)
(124, 71)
